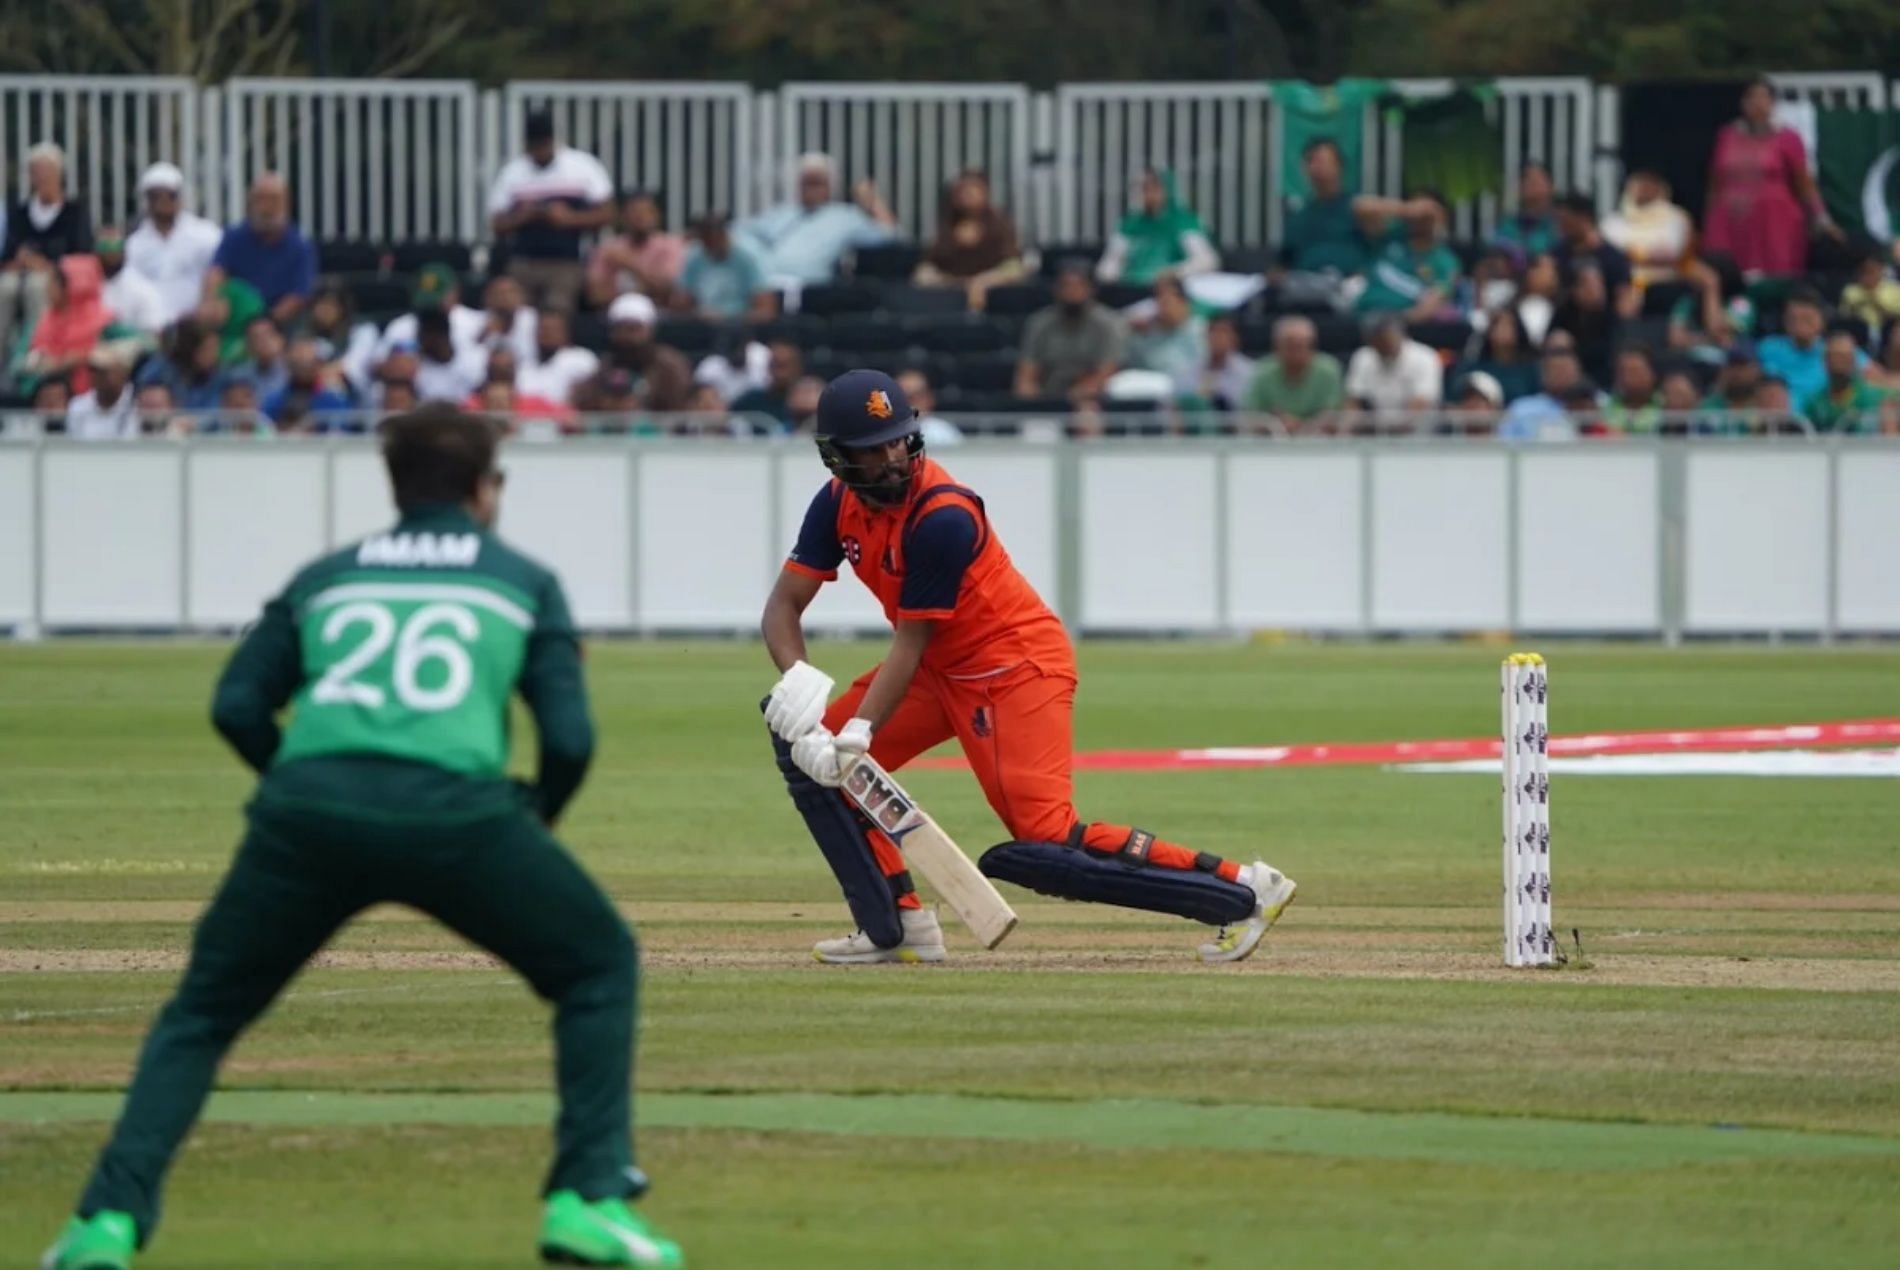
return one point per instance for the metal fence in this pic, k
(378, 160)
(110, 129)
(394, 161)
(691, 143)
(910, 139)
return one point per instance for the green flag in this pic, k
(1857, 162)
(1309, 112)
(1450, 144)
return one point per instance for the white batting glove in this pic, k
(853, 739)
(798, 699)
(816, 755)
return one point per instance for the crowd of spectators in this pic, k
(1368, 316)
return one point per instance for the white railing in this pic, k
(1221, 141)
(394, 161)
(111, 128)
(910, 139)
(689, 142)
(377, 160)
(1191, 536)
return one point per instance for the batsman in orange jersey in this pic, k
(975, 654)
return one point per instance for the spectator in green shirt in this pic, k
(1715, 314)
(1299, 386)
(1532, 229)
(1848, 403)
(1322, 232)
(1632, 407)
(1161, 235)
(1413, 271)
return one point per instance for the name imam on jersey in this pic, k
(425, 550)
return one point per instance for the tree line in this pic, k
(1039, 42)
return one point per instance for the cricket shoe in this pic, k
(1273, 891)
(605, 1232)
(923, 941)
(104, 1241)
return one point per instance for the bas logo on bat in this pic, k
(886, 804)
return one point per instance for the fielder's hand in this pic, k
(797, 703)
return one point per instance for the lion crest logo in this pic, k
(878, 405)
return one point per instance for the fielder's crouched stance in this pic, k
(400, 654)
(977, 655)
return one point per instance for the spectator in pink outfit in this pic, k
(642, 257)
(1761, 193)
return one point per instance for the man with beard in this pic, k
(662, 376)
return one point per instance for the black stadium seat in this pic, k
(894, 261)
(867, 333)
(589, 330)
(409, 257)
(1018, 299)
(900, 298)
(1056, 255)
(960, 335)
(1119, 295)
(688, 335)
(1248, 259)
(992, 374)
(800, 329)
(339, 255)
(371, 292)
(828, 299)
(1442, 335)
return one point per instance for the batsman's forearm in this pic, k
(893, 678)
(784, 631)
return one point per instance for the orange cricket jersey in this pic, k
(935, 556)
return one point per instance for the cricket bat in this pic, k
(957, 881)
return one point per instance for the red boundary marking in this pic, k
(1697, 741)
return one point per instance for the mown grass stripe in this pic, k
(1129, 1123)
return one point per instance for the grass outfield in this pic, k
(1721, 1086)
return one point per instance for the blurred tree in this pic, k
(1039, 42)
(215, 39)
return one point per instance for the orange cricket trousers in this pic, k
(1016, 729)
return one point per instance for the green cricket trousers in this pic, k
(302, 871)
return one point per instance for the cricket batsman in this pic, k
(977, 655)
(400, 654)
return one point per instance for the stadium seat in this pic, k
(960, 335)
(1256, 336)
(341, 255)
(801, 329)
(1018, 299)
(839, 360)
(1119, 295)
(879, 334)
(978, 374)
(1339, 334)
(371, 291)
(410, 257)
(689, 335)
(900, 298)
(828, 299)
(1442, 335)
(1248, 259)
(894, 261)
(589, 330)
(1055, 255)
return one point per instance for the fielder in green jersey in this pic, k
(397, 657)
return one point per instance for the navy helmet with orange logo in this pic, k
(865, 410)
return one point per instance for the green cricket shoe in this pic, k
(605, 1232)
(104, 1241)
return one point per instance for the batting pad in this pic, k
(839, 832)
(1070, 873)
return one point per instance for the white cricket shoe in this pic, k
(923, 941)
(1273, 891)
